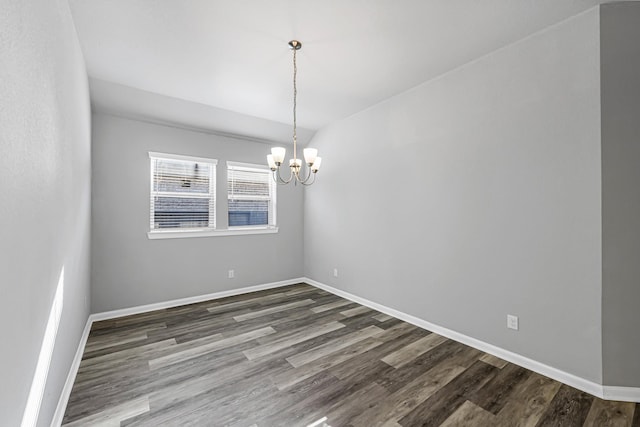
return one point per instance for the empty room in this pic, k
(320, 213)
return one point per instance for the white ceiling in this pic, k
(233, 54)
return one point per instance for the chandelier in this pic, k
(276, 158)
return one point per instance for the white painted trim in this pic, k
(626, 394)
(71, 377)
(246, 166)
(629, 394)
(171, 156)
(182, 234)
(190, 300)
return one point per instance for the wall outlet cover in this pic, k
(512, 322)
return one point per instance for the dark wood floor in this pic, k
(290, 356)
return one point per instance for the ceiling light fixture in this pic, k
(311, 158)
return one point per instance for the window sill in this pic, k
(183, 234)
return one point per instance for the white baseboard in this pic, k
(627, 394)
(190, 300)
(71, 377)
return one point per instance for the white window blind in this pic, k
(252, 195)
(182, 192)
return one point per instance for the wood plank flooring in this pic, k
(291, 356)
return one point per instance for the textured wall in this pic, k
(475, 195)
(128, 269)
(45, 184)
(620, 52)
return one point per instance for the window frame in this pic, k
(273, 196)
(183, 232)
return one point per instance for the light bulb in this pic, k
(316, 164)
(278, 154)
(271, 162)
(295, 163)
(310, 155)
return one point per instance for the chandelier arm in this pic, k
(282, 181)
(296, 174)
(308, 175)
(291, 175)
(279, 179)
(306, 183)
(276, 178)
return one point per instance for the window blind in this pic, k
(251, 195)
(182, 192)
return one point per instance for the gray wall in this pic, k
(45, 173)
(128, 269)
(475, 195)
(620, 52)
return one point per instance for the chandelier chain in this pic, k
(295, 102)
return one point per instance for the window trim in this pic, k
(153, 154)
(272, 217)
(152, 235)
(188, 232)
(175, 233)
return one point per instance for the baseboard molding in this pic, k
(71, 377)
(113, 314)
(627, 394)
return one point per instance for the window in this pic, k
(183, 198)
(183, 193)
(252, 196)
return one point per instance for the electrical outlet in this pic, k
(512, 322)
(232, 274)
(335, 272)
